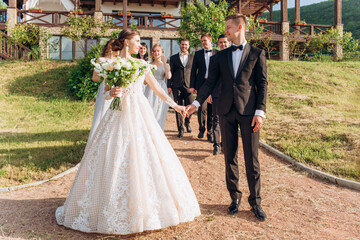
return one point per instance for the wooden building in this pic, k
(146, 14)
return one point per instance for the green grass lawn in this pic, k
(313, 115)
(43, 130)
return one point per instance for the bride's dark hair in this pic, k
(110, 46)
(126, 34)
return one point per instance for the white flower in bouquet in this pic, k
(119, 72)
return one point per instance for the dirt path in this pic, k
(298, 207)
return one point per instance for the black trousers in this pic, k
(205, 117)
(182, 97)
(229, 133)
(215, 121)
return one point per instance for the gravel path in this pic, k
(298, 207)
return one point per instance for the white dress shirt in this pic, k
(184, 59)
(207, 56)
(236, 57)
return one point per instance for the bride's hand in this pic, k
(181, 110)
(115, 92)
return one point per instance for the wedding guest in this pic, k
(242, 71)
(223, 43)
(143, 52)
(110, 51)
(179, 83)
(130, 179)
(199, 74)
(161, 74)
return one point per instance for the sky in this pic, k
(291, 3)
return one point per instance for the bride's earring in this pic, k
(127, 48)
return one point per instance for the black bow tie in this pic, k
(234, 47)
(206, 51)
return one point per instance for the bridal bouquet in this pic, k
(119, 72)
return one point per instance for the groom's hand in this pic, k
(257, 122)
(190, 109)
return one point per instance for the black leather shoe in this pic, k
(259, 213)
(216, 150)
(188, 128)
(233, 208)
(201, 135)
(181, 133)
(210, 138)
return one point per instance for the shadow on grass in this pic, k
(48, 84)
(43, 157)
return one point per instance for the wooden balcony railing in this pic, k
(145, 21)
(310, 29)
(3, 19)
(9, 51)
(45, 18)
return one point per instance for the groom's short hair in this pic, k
(237, 18)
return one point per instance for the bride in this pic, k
(130, 179)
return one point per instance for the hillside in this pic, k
(323, 13)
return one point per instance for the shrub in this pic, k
(80, 83)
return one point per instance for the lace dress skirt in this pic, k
(130, 179)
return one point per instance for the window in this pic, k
(170, 46)
(65, 49)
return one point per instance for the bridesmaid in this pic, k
(160, 108)
(143, 52)
(111, 50)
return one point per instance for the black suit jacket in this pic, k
(198, 69)
(180, 75)
(247, 90)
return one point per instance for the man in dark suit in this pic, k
(180, 66)
(223, 43)
(242, 71)
(199, 73)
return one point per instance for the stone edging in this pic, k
(7, 189)
(339, 181)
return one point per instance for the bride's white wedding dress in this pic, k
(130, 179)
(160, 108)
(101, 106)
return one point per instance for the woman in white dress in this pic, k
(161, 74)
(111, 50)
(130, 179)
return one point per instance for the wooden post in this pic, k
(97, 5)
(239, 6)
(271, 15)
(338, 51)
(98, 14)
(11, 15)
(284, 11)
(297, 15)
(284, 50)
(12, 3)
(125, 3)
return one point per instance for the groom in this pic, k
(241, 68)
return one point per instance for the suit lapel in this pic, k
(202, 57)
(188, 61)
(178, 58)
(243, 59)
(230, 62)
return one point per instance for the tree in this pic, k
(2, 5)
(197, 19)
